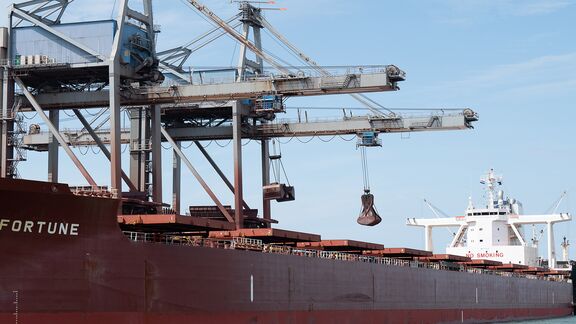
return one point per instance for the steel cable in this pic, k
(347, 140)
(224, 144)
(290, 140)
(80, 150)
(365, 175)
(330, 140)
(208, 144)
(187, 147)
(29, 118)
(65, 113)
(306, 142)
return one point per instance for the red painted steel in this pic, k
(404, 253)
(341, 245)
(272, 235)
(64, 260)
(172, 222)
(420, 316)
(481, 263)
(446, 257)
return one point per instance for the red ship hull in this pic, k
(65, 260)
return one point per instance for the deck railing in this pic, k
(243, 243)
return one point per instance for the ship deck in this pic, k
(401, 253)
(349, 246)
(445, 258)
(481, 263)
(170, 223)
(267, 235)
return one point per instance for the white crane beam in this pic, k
(539, 219)
(347, 126)
(376, 81)
(437, 222)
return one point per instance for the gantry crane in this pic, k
(128, 74)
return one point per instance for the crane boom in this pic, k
(336, 127)
(380, 79)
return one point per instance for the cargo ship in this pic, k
(70, 258)
(96, 254)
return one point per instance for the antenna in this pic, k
(491, 181)
(259, 2)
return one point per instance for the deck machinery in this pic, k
(114, 64)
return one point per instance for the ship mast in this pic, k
(565, 244)
(491, 181)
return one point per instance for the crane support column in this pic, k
(7, 99)
(3, 120)
(250, 19)
(114, 100)
(156, 144)
(54, 116)
(266, 205)
(3, 75)
(242, 56)
(428, 238)
(139, 147)
(551, 250)
(1, 123)
(7, 125)
(115, 132)
(176, 182)
(237, 140)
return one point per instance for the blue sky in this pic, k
(512, 61)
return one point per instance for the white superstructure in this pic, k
(494, 232)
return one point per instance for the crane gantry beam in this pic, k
(382, 78)
(345, 126)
